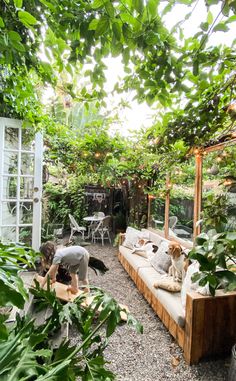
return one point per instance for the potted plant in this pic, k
(215, 249)
(215, 253)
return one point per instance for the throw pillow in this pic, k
(168, 284)
(161, 260)
(189, 285)
(131, 237)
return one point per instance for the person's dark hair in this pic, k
(48, 250)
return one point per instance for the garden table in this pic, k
(94, 221)
(158, 222)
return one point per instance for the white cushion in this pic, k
(155, 238)
(161, 261)
(188, 285)
(170, 301)
(131, 237)
(134, 260)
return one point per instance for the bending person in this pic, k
(74, 258)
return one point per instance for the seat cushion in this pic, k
(170, 301)
(136, 261)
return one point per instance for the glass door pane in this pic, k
(20, 183)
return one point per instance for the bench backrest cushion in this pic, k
(161, 260)
(131, 237)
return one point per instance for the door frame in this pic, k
(37, 176)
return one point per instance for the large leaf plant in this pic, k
(215, 248)
(26, 354)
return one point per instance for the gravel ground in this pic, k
(153, 355)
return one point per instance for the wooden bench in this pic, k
(210, 322)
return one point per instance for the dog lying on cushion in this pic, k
(145, 248)
(179, 262)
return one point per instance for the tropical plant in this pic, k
(60, 201)
(215, 253)
(25, 354)
(13, 259)
(214, 213)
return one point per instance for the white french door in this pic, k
(21, 154)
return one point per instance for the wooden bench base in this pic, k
(210, 325)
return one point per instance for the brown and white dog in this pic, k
(179, 262)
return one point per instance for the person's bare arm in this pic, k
(51, 273)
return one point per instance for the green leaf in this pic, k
(204, 26)
(225, 9)
(232, 286)
(3, 328)
(221, 27)
(231, 19)
(186, 2)
(152, 8)
(227, 275)
(10, 295)
(167, 9)
(134, 323)
(1, 23)
(14, 36)
(93, 24)
(210, 18)
(103, 26)
(18, 46)
(98, 3)
(126, 55)
(138, 5)
(18, 3)
(201, 238)
(110, 9)
(26, 18)
(231, 236)
(112, 323)
(211, 2)
(116, 49)
(48, 5)
(116, 27)
(152, 38)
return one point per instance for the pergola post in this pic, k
(197, 193)
(167, 206)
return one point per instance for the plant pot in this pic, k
(232, 369)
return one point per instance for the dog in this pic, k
(147, 245)
(145, 248)
(97, 264)
(63, 275)
(179, 262)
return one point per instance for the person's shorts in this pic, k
(81, 268)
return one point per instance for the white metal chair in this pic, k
(172, 222)
(102, 231)
(75, 227)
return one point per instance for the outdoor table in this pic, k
(158, 222)
(182, 233)
(93, 220)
